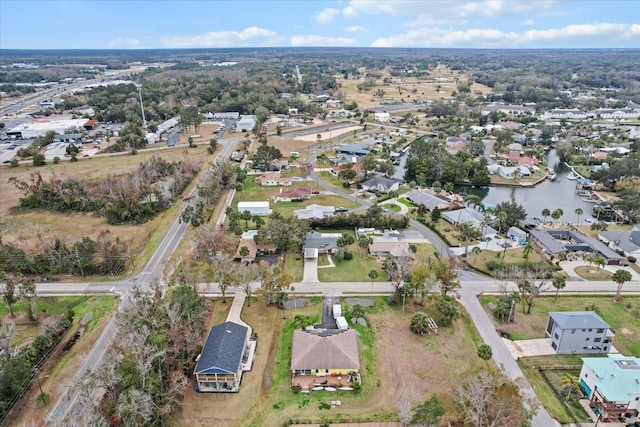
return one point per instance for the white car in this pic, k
(588, 220)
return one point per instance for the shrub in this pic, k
(632, 259)
(348, 256)
(134, 152)
(485, 352)
(14, 163)
(56, 160)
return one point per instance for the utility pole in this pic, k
(144, 120)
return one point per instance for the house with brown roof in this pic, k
(273, 179)
(386, 246)
(325, 353)
(254, 249)
(295, 194)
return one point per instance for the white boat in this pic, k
(330, 388)
(317, 388)
(345, 388)
(572, 176)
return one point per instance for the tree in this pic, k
(39, 159)
(246, 275)
(428, 413)
(435, 214)
(448, 311)
(514, 211)
(246, 216)
(373, 275)
(244, 251)
(225, 273)
(265, 154)
(446, 273)
(486, 398)
(545, 213)
(28, 290)
(10, 293)
(419, 323)
(213, 143)
(485, 352)
(579, 212)
(556, 214)
(528, 248)
(530, 285)
(569, 383)
(398, 272)
(287, 233)
(466, 233)
(558, 281)
(357, 312)
(421, 281)
(368, 164)
(407, 401)
(475, 252)
(620, 277)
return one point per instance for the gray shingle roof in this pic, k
(224, 349)
(578, 320)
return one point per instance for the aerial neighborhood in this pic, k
(281, 237)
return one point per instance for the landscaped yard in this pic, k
(623, 317)
(353, 270)
(593, 273)
(529, 366)
(511, 256)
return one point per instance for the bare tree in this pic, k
(409, 398)
(225, 273)
(247, 274)
(7, 335)
(135, 408)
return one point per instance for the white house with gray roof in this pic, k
(626, 241)
(579, 332)
(219, 366)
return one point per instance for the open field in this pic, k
(25, 226)
(61, 367)
(623, 317)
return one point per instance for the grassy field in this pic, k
(529, 366)
(623, 317)
(353, 270)
(512, 256)
(390, 356)
(25, 226)
(294, 266)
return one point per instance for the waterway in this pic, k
(551, 195)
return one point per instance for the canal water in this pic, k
(551, 195)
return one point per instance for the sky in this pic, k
(107, 24)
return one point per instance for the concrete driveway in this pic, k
(524, 348)
(310, 270)
(570, 266)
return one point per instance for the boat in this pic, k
(345, 388)
(552, 175)
(317, 388)
(330, 388)
(572, 176)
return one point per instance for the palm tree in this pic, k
(475, 251)
(556, 214)
(357, 312)
(620, 277)
(466, 233)
(558, 282)
(419, 323)
(598, 210)
(570, 383)
(600, 261)
(579, 212)
(527, 251)
(545, 213)
(373, 275)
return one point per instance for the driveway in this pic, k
(310, 270)
(570, 266)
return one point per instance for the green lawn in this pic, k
(512, 256)
(392, 207)
(406, 202)
(529, 366)
(294, 266)
(354, 270)
(593, 273)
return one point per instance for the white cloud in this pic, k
(326, 16)
(445, 10)
(529, 22)
(585, 35)
(252, 36)
(315, 40)
(120, 42)
(355, 29)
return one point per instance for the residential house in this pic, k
(382, 117)
(315, 212)
(254, 249)
(278, 164)
(386, 246)
(520, 236)
(256, 208)
(510, 110)
(508, 172)
(219, 366)
(273, 179)
(626, 241)
(558, 113)
(454, 144)
(612, 385)
(472, 216)
(325, 356)
(320, 244)
(90, 124)
(333, 103)
(380, 183)
(335, 170)
(340, 113)
(556, 242)
(356, 149)
(579, 332)
(619, 114)
(428, 198)
(295, 194)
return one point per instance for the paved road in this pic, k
(68, 405)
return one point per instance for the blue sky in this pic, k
(103, 24)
